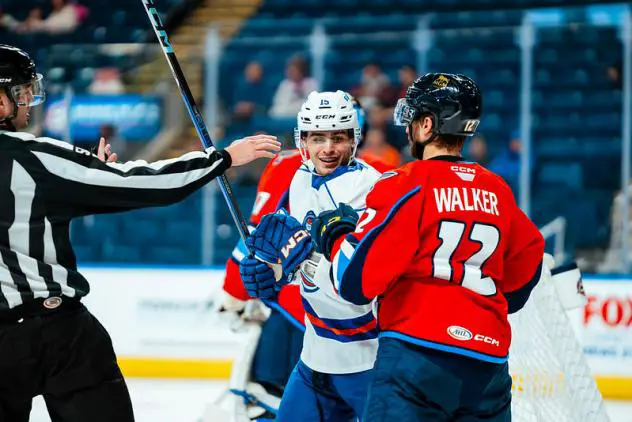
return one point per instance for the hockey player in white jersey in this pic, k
(330, 381)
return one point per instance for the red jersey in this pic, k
(374, 161)
(448, 253)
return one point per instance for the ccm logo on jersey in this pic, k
(463, 334)
(294, 240)
(486, 339)
(466, 174)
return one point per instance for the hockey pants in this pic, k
(312, 396)
(417, 384)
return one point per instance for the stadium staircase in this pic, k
(188, 42)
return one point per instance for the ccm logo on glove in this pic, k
(294, 240)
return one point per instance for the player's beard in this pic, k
(417, 150)
(416, 147)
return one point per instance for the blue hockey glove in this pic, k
(280, 239)
(259, 279)
(328, 226)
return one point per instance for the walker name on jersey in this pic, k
(466, 199)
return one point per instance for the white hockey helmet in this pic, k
(327, 111)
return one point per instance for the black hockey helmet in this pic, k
(453, 101)
(19, 78)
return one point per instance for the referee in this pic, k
(50, 344)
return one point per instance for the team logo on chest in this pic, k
(308, 220)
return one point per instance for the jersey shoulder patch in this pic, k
(283, 155)
(388, 175)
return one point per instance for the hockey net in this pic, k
(551, 378)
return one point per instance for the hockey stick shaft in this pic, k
(194, 112)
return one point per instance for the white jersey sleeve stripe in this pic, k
(75, 172)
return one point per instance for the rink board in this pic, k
(163, 325)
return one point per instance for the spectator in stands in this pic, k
(407, 75)
(381, 115)
(375, 144)
(507, 163)
(250, 95)
(477, 150)
(381, 118)
(378, 117)
(81, 11)
(7, 21)
(63, 19)
(30, 23)
(293, 90)
(373, 86)
(613, 73)
(107, 81)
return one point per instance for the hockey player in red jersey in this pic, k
(449, 254)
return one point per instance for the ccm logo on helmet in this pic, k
(5, 80)
(325, 116)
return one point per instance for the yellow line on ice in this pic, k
(146, 367)
(150, 367)
(618, 388)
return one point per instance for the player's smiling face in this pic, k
(328, 150)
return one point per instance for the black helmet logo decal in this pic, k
(441, 82)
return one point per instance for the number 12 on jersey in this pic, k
(451, 235)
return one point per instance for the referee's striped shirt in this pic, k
(44, 183)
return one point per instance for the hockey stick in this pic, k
(194, 112)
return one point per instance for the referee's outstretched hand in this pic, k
(105, 153)
(248, 149)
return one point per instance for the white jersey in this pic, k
(340, 337)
